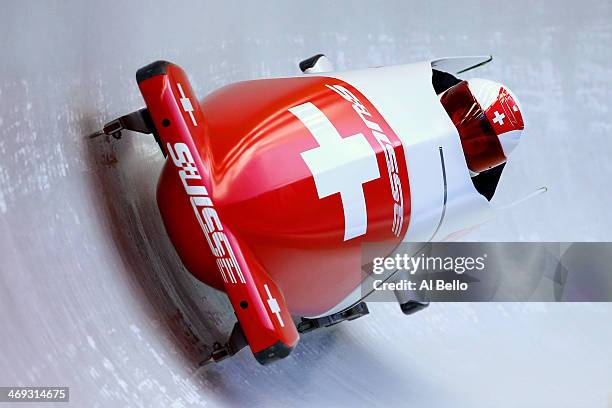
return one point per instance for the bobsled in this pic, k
(271, 187)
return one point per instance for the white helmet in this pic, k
(488, 118)
(502, 109)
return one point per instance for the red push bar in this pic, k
(258, 303)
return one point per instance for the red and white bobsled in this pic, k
(270, 187)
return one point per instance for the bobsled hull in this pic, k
(304, 170)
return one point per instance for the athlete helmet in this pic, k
(488, 118)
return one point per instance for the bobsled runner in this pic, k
(270, 187)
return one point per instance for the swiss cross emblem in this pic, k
(505, 114)
(339, 165)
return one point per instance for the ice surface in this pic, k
(91, 288)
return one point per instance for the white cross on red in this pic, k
(499, 119)
(273, 305)
(339, 165)
(186, 103)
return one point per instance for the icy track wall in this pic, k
(93, 296)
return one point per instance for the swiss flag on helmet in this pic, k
(502, 109)
(504, 114)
